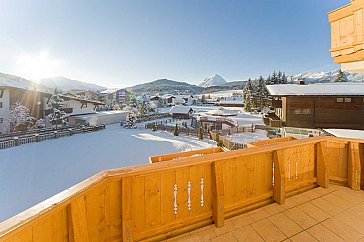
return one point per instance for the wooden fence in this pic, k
(164, 199)
(41, 135)
(181, 129)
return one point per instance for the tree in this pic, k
(247, 93)
(20, 118)
(200, 133)
(340, 77)
(57, 115)
(220, 143)
(176, 130)
(154, 127)
(130, 121)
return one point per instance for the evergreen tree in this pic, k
(176, 130)
(247, 93)
(340, 77)
(284, 79)
(57, 115)
(220, 143)
(154, 127)
(130, 121)
(200, 133)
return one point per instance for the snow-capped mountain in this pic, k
(18, 82)
(214, 80)
(330, 76)
(66, 84)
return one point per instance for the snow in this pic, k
(243, 138)
(346, 133)
(324, 89)
(34, 172)
(329, 76)
(214, 80)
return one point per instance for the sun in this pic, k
(37, 67)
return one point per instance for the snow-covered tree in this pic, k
(56, 115)
(39, 124)
(247, 93)
(20, 118)
(130, 122)
(340, 77)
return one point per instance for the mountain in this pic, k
(214, 80)
(66, 84)
(16, 81)
(330, 76)
(165, 86)
(234, 85)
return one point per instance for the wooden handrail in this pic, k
(135, 203)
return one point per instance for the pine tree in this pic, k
(130, 121)
(284, 79)
(176, 130)
(200, 133)
(247, 93)
(57, 115)
(154, 127)
(340, 77)
(20, 118)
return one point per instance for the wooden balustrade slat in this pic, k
(79, 220)
(279, 187)
(354, 167)
(322, 167)
(217, 194)
(127, 207)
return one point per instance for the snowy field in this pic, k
(243, 138)
(34, 172)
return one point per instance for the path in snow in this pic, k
(33, 172)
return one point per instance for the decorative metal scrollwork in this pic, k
(296, 169)
(289, 170)
(189, 196)
(273, 175)
(175, 198)
(202, 185)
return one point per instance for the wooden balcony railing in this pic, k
(347, 33)
(164, 199)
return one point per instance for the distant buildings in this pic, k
(329, 105)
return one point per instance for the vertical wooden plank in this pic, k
(115, 208)
(217, 194)
(322, 166)
(279, 188)
(79, 220)
(139, 203)
(152, 184)
(354, 168)
(182, 178)
(126, 209)
(168, 179)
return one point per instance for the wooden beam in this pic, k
(127, 209)
(354, 167)
(321, 163)
(218, 213)
(279, 188)
(79, 220)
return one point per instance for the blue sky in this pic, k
(122, 43)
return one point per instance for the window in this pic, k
(1, 105)
(339, 100)
(1, 120)
(348, 99)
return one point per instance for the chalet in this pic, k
(327, 105)
(181, 112)
(31, 98)
(110, 97)
(214, 119)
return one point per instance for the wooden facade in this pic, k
(161, 200)
(322, 111)
(347, 36)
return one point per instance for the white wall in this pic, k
(4, 112)
(76, 105)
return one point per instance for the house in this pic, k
(214, 119)
(110, 97)
(233, 101)
(325, 105)
(85, 94)
(181, 112)
(169, 99)
(29, 97)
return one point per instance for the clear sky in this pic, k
(122, 43)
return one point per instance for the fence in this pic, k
(46, 134)
(161, 200)
(152, 117)
(181, 129)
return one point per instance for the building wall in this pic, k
(4, 112)
(30, 99)
(324, 112)
(76, 106)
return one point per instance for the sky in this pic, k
(123, 43)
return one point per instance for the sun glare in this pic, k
(36, 67)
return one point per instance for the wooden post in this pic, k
(126, 209)
(279, 188)
(217, 194)
(322, 166)
(354, 167)
(79, 220)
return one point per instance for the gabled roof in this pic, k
(181, 109)
(319, 89)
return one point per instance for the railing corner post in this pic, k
(354, 167)
(126, 209)
(322, 166)
(279, 187)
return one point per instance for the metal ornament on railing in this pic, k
(202, 184)
(189, 196)
(296, 169)
(273, 175)
(175, 198)
(289, 170)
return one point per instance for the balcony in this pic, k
(347, 36)
(307, 187)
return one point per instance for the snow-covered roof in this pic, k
(319, 89)
(180, 109)
(346, 133)
(222, 112)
